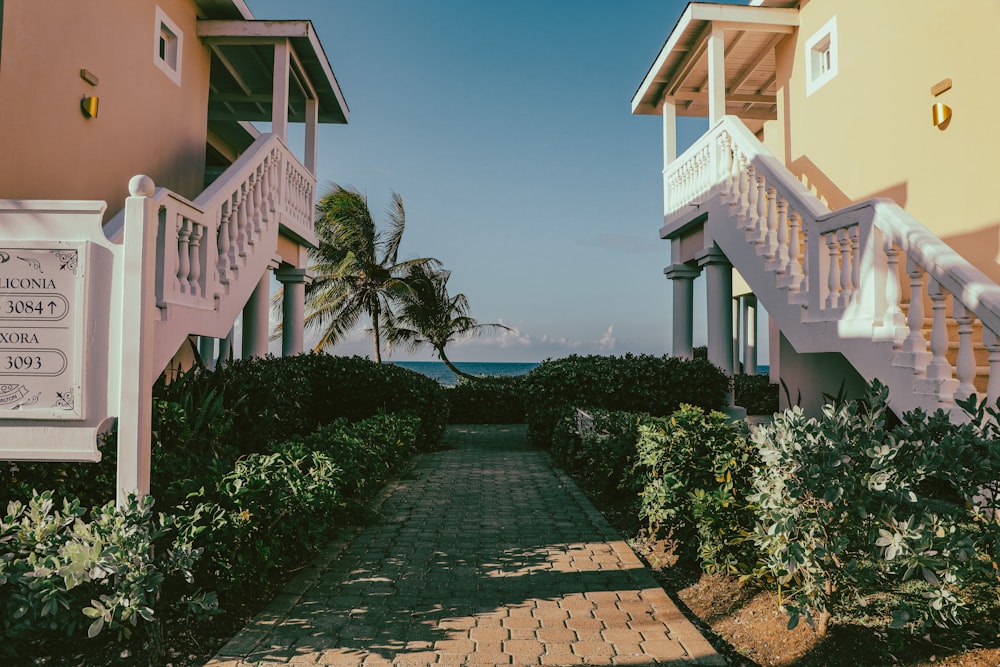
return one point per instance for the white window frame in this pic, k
(821, 57)
(170, 62)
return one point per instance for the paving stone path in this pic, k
(483, 554)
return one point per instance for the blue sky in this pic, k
(506, 127)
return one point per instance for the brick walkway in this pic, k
(484, 554)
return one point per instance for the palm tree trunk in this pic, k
(375, 333)
(447, 362)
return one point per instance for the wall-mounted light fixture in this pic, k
(940, 112)
(89, 106)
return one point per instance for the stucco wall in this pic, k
(146, 123)
(868, 131)
(807, 377)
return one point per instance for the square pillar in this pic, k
(716, 74)
(279, 91)
(748, 303)
(683, 277)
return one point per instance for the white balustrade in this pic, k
(834, 269)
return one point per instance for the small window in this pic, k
(821, 57)
(168, 46)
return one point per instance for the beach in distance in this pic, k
(440, 372)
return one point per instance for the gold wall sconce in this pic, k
(89, 106)
(940, 113)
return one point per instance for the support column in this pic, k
(737, 342)
(719, 288)
(225, 348)
(683, 277)
(206, 350)
(749, 303)
(716, 75)
(293, 284)
(312, 121)
(279, 91)
(669, 131)
(255, 319)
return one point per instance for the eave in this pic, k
(243, 71)
(681, 69)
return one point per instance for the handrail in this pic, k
(843, 265)
(225, 238)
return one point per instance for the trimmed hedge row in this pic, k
(487, 400)
(638, 383)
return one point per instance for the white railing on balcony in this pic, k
(212, 252)
(811, 266)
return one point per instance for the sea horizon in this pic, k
(436, 370)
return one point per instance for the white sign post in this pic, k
(76, 313)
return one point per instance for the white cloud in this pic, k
(606, 343)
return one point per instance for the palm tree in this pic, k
(428, 315)
(356, 267)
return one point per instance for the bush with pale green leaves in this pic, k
(852, 503)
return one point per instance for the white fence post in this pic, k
(138, 275)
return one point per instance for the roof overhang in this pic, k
(681, 70)
(242, 75)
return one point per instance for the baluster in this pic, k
(938, 368)
(781, 258)
(253, 198)
(223, 241)
(234, 230)
(806, 262)
(770, 236)
(739, 184)
(893, 319)
(748, 200)
(992, 344)
(833, 277)
(846, 268)
(854, 234)
(793, 270)
(183, 259)
(194, 277)
(965, 366)
(241, 220)
(915, 342)
(725, 166)
(265, 188)
(761, 224)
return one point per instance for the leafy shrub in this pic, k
(641, 383)
(62, 576)
(850, 505)
(599, 445)
(367, 452)
(695, 470)
(267, 513)
(756, 394)
(487, 400)
(272, 510)
(291, 396)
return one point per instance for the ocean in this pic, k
(438, 371)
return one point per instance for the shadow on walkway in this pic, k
(485, 554)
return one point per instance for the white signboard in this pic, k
(42, 288)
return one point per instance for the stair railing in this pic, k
(844, 266)
(211, 252)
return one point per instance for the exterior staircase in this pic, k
(211, 253)
(867, 281)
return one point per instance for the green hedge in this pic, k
(487, 400)
(638, 383)
(756, 394)
(288, 396)
(599, 446)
